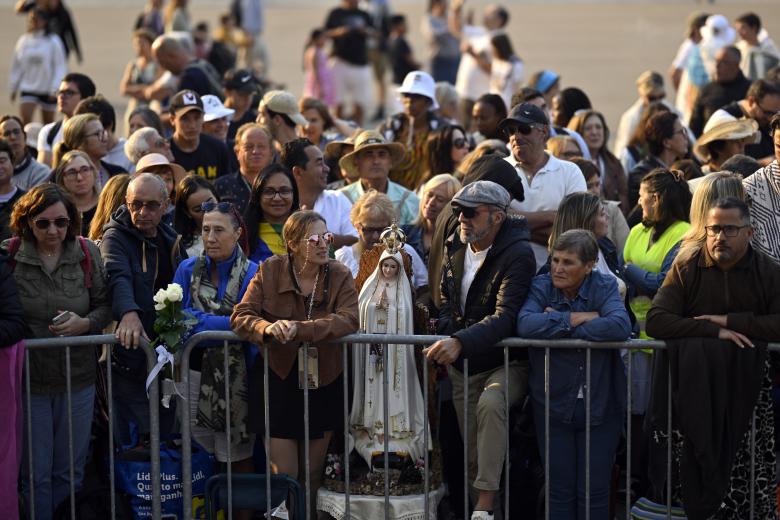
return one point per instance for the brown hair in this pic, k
(295, 226)
(35, 202)
(111, 197)
(59, 171)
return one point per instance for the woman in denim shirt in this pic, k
(575, 301)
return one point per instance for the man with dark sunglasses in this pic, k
(140, 254)
(546, 179)
(487, 271)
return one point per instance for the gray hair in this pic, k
(579, 241)
(141, 178)
(446, 93)
(137, 145)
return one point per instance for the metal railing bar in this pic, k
(267, 427)
(587, 432)
(629, 396)
(547, 433)
(307, 462)
(228, 443)
(386, 428)
(111, 462)
(71, 458)
(186, 434)
(506, 433)
(345, 381)
(31, 479)
(426, 461)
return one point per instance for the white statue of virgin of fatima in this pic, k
(385, 306)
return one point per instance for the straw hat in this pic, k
(335, 149)
(367, 140)
(722, 126)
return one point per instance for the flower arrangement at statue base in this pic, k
(405, 479)
(171, 325)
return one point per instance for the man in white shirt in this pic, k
(472, 80)
(73, 89)
(546, 179)
(759, 52)
(305, 161)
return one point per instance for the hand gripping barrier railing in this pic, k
(547, 345)
(69, 343)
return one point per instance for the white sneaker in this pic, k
(481, 515)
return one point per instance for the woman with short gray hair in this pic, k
(576, 301)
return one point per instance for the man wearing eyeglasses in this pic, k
(487, 271)
(546, 179)
(721, 289)
(140, 254)
(74, 88)
(761, 103)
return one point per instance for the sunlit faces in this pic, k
(316, 171)
(188, 125)
(95, 143)
(460, 147)
(147, 204)
(218, 128)
(485, 118)
(601, 224)
(12, 133)
(194, 203)
(68, 96)
(276, 198)
(79, 177)
(315, 126)
(316, 254)
(593, 132)
(389, 268)
(51, 236)
(648, 201)
(728, 235)
(220, 235)
(528, 146)
(136, 122)
(678, 143)
(568, 271)
(370, 228)
(415, 105)
(6, 169)
(433, 202)
(475, 228)
(373, 163)
(594, 184)
(253, 151)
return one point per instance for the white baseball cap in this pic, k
(214, 109)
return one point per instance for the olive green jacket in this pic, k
(44, 295)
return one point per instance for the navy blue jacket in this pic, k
(598, 293)
(131, 266)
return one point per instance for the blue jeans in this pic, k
(567, 463)
(445, 69)
(50, 459)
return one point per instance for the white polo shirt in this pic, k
(335, 208)
(547, 188)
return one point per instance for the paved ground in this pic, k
(598, 46)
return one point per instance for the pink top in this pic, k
(318, 80)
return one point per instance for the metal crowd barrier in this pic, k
(154, 418)
(223, 339)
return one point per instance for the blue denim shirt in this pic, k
(598, 293)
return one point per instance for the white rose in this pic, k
(159, 298)
(159, 306)
(174, 292)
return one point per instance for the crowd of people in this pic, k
(483, 205)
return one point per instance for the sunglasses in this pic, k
(59, 223)
(222, 207)
(522, 128)
(460, 143)
(314, 239)
(463, 210)
(138, 205)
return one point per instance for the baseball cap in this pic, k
(214, 109)
(282, 102)
(524, 113)
(422, 84)
(240, 79)
(482, 192)
(184, 101)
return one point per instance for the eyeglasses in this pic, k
(44, 223)
(523, 128)
(314, 240)
(222, 207)
(682, 131)
(101, 135)
(764, 110)
(467, 212)
(150, 205)
(460, 143)
(270, 193)
(73, 172)
(15, 132)
(656, 98)
(66, 93)
(728, 230)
